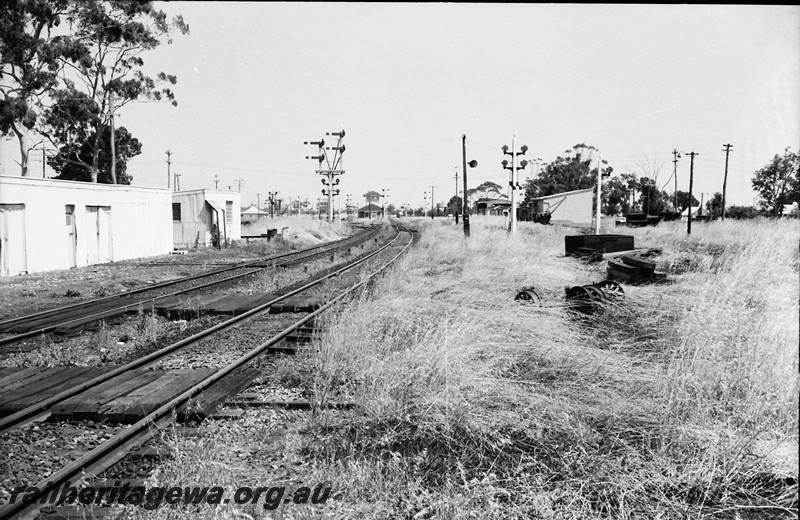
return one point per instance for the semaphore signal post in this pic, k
(332, 169)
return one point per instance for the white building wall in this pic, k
(194, 228)
(573, 207)
(234, 230)
(136, 220)
(197, 218)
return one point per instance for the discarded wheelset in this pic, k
(588, 298)
(528, 295)
(612, 289)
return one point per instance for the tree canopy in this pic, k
(31, 58)
(714, 205)
(566, 173)
(778, 182)
(454, 205)
(683, 200)
(125, 146)
(67, 87)
(652, 200)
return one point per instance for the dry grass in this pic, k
(680, 402)
(470, 405)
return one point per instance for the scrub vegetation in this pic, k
(682, 400)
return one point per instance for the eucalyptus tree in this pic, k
(116, 35)
(32, 54)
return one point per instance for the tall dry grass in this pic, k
(679, 401)
(304, 227)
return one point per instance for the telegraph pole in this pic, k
(675, 156)
(432, 199)
(239, 181)
(727, 151)
(691, 182)
(169, 162)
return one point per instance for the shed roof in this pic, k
(252, 210)
(493, 203)
(564, 193)
(370, 207)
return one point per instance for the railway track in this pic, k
(115, 448)
(65, 318)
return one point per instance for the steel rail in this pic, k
(108, 312)
(36, 409)
(114, 449)
(57, 310)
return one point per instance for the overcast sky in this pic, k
(407, 80)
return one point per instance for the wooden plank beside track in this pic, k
(87, 404)
(188, 307)
(236, 304)
(4, 371)
(143, 400)
(297, 304)
(205, 404)
(40, 322)
(17, 375)
(56, 380)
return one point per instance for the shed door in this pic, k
(98, 234)
(12, 240)
(72, 235)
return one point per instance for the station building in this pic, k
(49, 224)
(486, 206)
(370, 211)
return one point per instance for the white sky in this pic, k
(407, 80)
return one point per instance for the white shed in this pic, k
(695, 212)
(253, 214)
(196, 212)
(48, 224)
(573, 207)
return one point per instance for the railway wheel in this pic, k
(582, 299)
(595, 294)
(612, 289)
(528, 296)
